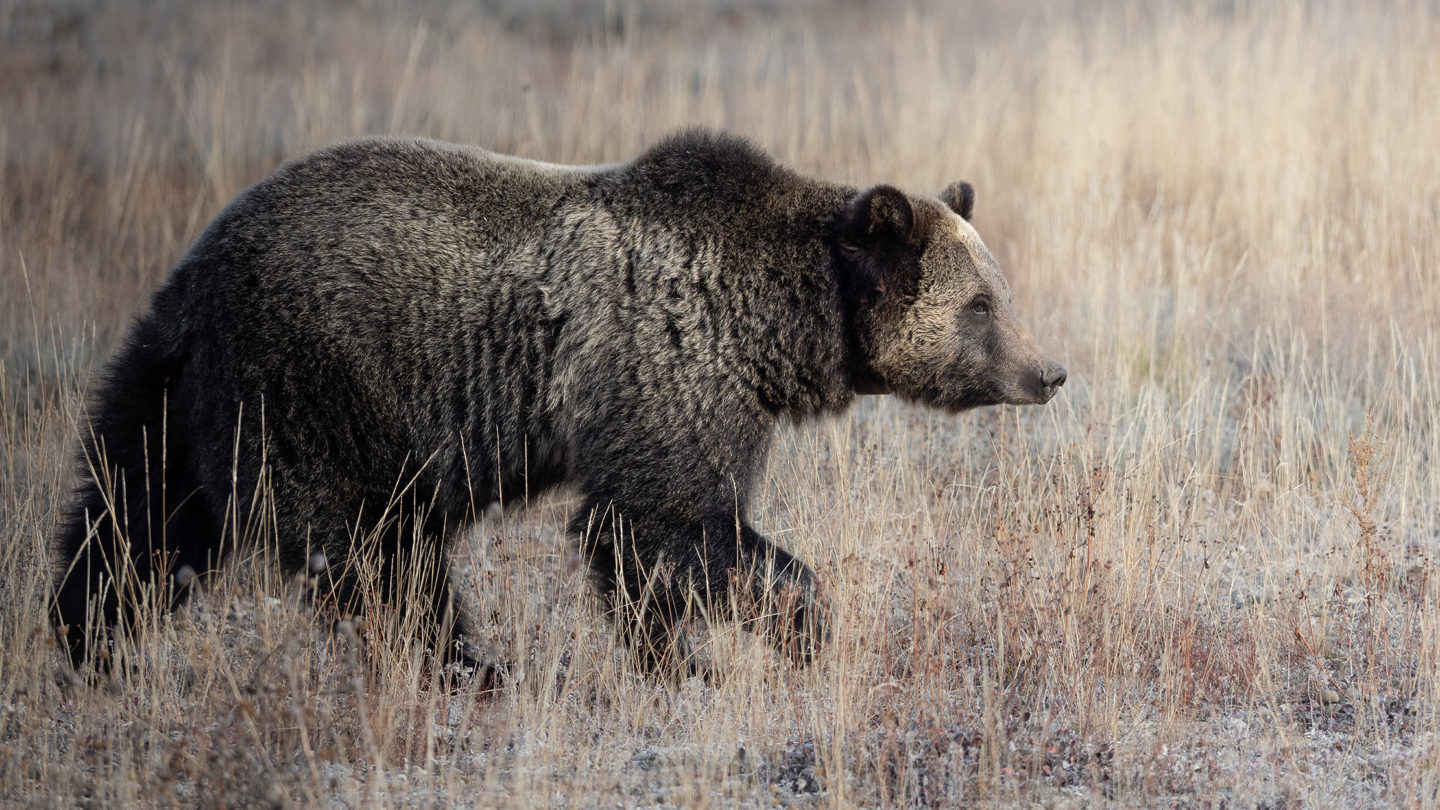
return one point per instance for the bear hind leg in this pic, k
(116, 550)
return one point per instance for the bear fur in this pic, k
(386, 336)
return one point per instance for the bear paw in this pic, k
(793, 613)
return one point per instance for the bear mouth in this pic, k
(959, 395)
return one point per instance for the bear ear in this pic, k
(882, 213)
(960, 196)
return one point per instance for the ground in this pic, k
(1204, 576)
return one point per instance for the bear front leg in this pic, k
(668, 466)
(651, 572)
(779, 597)
(647, 587)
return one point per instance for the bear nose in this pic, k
(1053, 376)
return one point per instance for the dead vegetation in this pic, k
(1203, 577)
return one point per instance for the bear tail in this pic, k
(137, 521)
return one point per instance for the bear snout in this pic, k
(1052, 376)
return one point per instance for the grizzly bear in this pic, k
(371, 345)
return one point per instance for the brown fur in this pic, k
(388, 312)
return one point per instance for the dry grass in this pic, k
(1204, 576)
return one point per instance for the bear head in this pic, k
(929, 307)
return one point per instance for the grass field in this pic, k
(1204, 576)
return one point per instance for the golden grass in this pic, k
(1203, 576)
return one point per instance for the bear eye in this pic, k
(980, 306)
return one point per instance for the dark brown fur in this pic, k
(396, 333)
